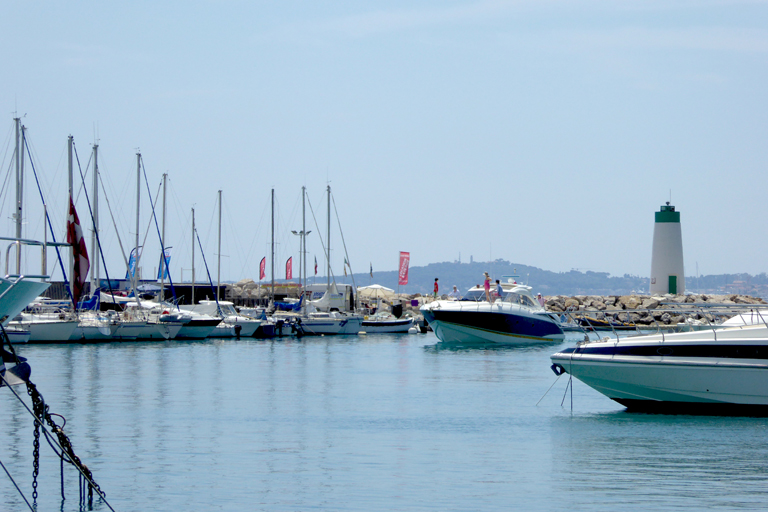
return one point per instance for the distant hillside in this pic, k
(466, 275)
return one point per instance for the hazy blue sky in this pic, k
(541, 132)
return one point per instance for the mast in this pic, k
(135, 277)
(70, 142)
(273, 245)
(164, 264)
(19, 187)
(303, 261)
(328, 244)
(218, 269)
(94, 234)
(193, 256)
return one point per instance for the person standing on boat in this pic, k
(455, 293)
(436, 288)
(540, 299)
(487, 286)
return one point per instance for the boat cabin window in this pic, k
(516, 298)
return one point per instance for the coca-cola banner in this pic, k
(402, 277)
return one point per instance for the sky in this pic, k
(545, 133)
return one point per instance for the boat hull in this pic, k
(332, 326)
(727, 372)
(387, 326)
(197, 329)
(490, 323)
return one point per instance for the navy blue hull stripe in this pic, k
(669, 350)
(497, 322)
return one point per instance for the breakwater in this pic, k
(637, 309)
(653, 309)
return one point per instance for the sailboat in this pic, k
(329, 314)
(229, 324)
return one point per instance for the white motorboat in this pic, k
(232, 324)
(328, 323)
(713, 371)
(516, 318)
(385, 322)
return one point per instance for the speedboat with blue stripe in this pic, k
(719, 371)
(514, 319)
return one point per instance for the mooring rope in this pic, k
(17, 487)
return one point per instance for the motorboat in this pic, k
(709, 371)
(231, 325)
(385, 322)
(515, 318)
(327, 323)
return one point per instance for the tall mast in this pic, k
(273, 245)
(328, 244)
(138, 206)
(94, 235)
(70, 142)
(163, 265)
(19, 186)
(218, 270)
(193, 256)
(303, 260)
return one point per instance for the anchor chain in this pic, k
(35, 462)
(40, 409)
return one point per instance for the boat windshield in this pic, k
(474, 295)
(516, 298)
(227, 309)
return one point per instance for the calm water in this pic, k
(370, 423)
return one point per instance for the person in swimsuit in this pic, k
(487, 286)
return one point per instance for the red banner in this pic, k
(289, 268)
(81, 266)
(263, 268)
(402, 275)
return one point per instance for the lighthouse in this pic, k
(667, 260)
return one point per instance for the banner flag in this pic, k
(315, 265)
(263, 268)
(346, 264)
(131, 272)
(402, 275)
(79, 252)
(162, 270)
(289, 268)
(371, 270)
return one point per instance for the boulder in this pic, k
(572, 303)
(649, 304)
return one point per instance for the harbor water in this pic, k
(369, 423)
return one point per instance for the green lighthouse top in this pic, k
(667, 214)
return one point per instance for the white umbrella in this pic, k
(376, 291)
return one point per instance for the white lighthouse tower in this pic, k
(667, 261)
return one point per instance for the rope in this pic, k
(17, 487)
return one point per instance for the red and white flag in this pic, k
(315, 265)
(289, 268)
(402, 274)
(79, 252)
(263, 268)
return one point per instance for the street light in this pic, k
(302, 262)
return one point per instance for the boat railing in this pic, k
(18, 243)
(709, 316)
